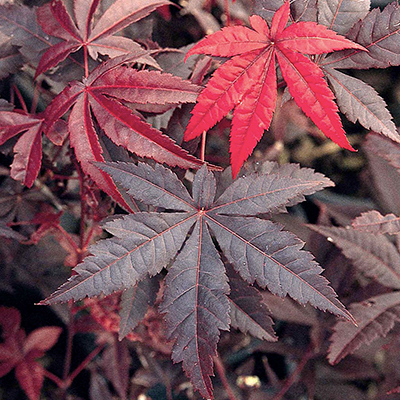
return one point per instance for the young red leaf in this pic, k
(101, 98)
(310, 91)
(30, 376)
(20, 352)
(55, 20)
(245, 81)
(28, 149)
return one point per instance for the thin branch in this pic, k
(219, 366)
(292, 378)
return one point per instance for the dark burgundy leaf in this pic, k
(360, 102)
(379, 33)
(19, 23)
(301, 10)
(116, 361)
(375, 222)
(123, 126)
(384, 148)
(373, 254)
(341, 15)
(7, 232)
(156, 186)
(143, 244)
(196, 307)
(55, 20)
(248, 312)
(268, 193)
(261, 252)
(28, 149)
(134, 304)
(195, 297)
(375, 318)
(385, 177)
(10, 59)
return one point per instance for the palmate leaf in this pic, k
(55, 20)
(373, 254)
(99, 100)
(196, 300)
(247, 82)
(375, 318)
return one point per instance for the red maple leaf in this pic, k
(247, 82)
(55, 20)
(20, 351)
(28, 148)
(100, 99)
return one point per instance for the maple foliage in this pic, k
(55, 20)
(28, 148)
(101, 96)
(20, 352)
(377, 258)
(196, 301)
(247, 82)
(191, 264)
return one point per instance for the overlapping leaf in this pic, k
(373, 254)
(55, 20)
(248, 312)
(340, 15)
(19, 23)
(28, 149)
(196, 299)
(376, 257)
(301, 10)
(375, 318)
(360, 102)
(134, 304)
(375, 222)
(247, 82)
(99, 101)
(379, 33)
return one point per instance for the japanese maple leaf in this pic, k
(56, 21)
(100, 100)
(20, 351)
(247, 82)
(199, 301)
(28, 149)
